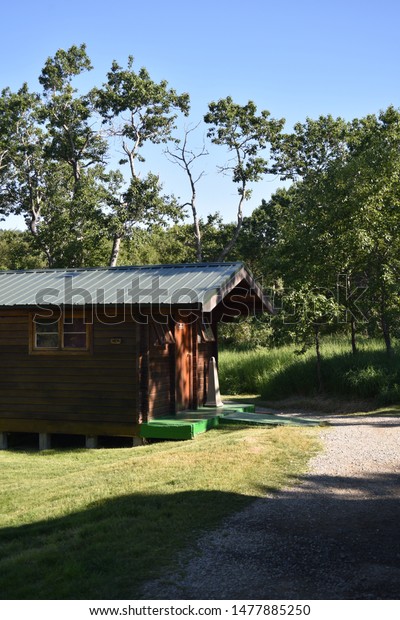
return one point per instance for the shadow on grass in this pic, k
(333, 537)
(109, 549)
(313, 541)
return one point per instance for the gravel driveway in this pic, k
(335, 536)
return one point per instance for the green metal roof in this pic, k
(202, 284)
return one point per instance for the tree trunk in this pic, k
(196, 225)
(236, 234)
(386, 335)
(115, 250)
(33, 223)
(33, 227)
(353, 336)
(197, 237)
(385, 325)
(318, 352)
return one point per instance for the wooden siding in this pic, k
(161, 401)
(93, 392)
(205, 350)
(128, 377)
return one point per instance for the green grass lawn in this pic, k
(94, 524)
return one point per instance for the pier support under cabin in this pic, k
(44, 441)
(3, 441)
(91, 442)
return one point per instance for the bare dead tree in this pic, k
(185, 158)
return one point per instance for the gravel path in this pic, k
(335, 536)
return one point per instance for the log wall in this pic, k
(94, 392)
(126, 378)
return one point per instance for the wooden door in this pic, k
(183, 344)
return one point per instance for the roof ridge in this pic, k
(199, 285)
(120, 267)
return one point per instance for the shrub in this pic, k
(365, 382)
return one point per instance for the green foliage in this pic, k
(67, 115)
(308, 311)
(263, 230)
(246, 136)
(249, 333)
(144, 204)
(151, 107)
(59, 70)
(311, 149)
(53, 158)
(138, 111)
(337, 228)
(366, 381)
(18, 251)
(161, 244)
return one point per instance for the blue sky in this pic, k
(294, 58)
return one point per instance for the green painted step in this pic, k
(173, 428)
(188, 424)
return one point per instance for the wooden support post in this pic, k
(91, 441)
(3, 441)
(213, 394)
(44, 441)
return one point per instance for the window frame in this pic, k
(59, 318)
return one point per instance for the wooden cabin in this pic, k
(99, 351)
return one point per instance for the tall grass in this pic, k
(281, 372)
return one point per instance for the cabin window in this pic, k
(46, 334)
(205, 333)
(68, 333)
(74, 333)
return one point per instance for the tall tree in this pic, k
(246, 135)
(56, 176)
(139, 111)
(373, 176)
(344, 210)
(68, 115)
(75, 144)
(25, 168)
